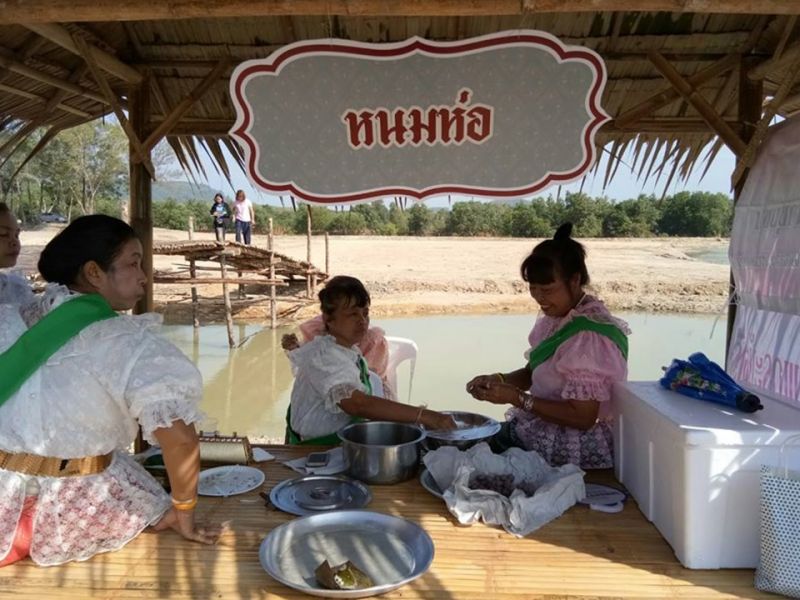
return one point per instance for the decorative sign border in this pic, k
(392, 51)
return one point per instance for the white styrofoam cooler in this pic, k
(693, 467)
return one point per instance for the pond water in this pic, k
(247, 389)
(718, 256)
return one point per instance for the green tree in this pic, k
(348, 223)
(420, 219)
(701, 214)
(527, 220)
(399, 219)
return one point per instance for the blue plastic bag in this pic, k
(706, 380)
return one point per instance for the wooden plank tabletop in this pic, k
(583, 554)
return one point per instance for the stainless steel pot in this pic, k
(381, 451)
(472, 428)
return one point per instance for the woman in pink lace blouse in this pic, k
(560, 398)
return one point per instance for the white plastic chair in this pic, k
(400, 350)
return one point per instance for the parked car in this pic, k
(52, 217)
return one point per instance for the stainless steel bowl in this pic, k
(381, 451)
(472, 428)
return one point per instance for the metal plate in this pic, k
(391, 550)
(471, 426)
(313, 494)
(429, 483)
(229, 480)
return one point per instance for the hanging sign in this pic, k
(765, 259)
(502, 115)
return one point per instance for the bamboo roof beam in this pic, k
(163, 128)
(22, 69)
(88, 56)
(776, 63)
(60, 36)
(700, 104)
(50, 11)
(43, 100)
(670, 94)
(747, 157)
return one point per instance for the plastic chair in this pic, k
(400, 350)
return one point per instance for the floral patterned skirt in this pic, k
(560, 445)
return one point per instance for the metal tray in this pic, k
(391, 550)
(313, 494)
(429, 483)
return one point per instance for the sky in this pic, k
(622, 187)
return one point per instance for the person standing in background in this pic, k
(245, 217)
(220, 213)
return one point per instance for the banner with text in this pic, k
(499, 116)
(765, 260)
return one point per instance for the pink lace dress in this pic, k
(583, 368)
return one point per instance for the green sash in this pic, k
(331, 439)
(46, 337)
(548, 347)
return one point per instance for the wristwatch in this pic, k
(527, 401)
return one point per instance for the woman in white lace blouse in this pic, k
(13, 287)
(332, 387)
(68, 490)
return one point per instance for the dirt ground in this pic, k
(438, 275)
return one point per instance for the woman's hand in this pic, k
(182, 521)
(481, 382)
(436, 421)
(497, 393)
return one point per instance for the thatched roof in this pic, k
(188, 49)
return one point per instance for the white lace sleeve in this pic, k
(164, 386)
(338, 393)
(14, 289)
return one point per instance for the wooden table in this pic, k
(583, 554)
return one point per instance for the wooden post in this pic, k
(273, 309)
(141, 209)
(327, 255)
(223, 267)
(308, 250)
(193, 275)
(750, 104)
(141, 205)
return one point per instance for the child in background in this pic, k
(331, 387)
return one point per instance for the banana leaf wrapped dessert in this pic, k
(345, 576)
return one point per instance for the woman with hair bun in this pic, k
(560, 398)
(78, 380)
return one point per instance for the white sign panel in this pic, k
(765, 259)
(498, 116)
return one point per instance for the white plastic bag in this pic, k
(557, 488)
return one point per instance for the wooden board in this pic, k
(583, 554)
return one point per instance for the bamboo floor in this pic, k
(583, 554)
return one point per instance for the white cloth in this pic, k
(14, 288)
(557, 488)
(86, 400)
(325, 374)
(242, 210)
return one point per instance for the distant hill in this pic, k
(182, 191)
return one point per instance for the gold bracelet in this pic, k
(501, 377)
(184, 504)
(419, 414)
